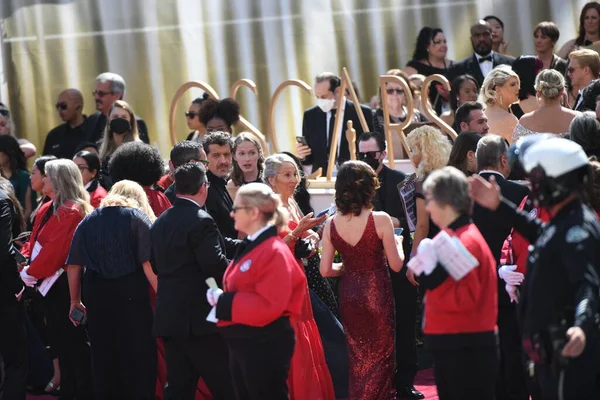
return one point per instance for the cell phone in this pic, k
(398, 231)
(79, 316)
(301, 139)
(322, 213)
(19, 257)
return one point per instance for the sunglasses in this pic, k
(392, 91)
(368, 154)
(570, 70)
(100, 93)
(191, 114)
(4, 112)
(61, 106)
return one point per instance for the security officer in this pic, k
(558, 308)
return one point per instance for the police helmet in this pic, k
(556, 168)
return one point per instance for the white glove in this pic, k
(28, 279)
(212, 296)
(509, 275)
(427, 255)
(512, 293)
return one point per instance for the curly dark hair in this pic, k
(16, 158)
(227, 109)
(218, 138)
(138, 162)
(355, 187)
(425, 37)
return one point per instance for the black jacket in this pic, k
(496, 229)
(314, 125)
(470, 65)
(219, 204)
(563, 268)
(187, 249)
(10, 282)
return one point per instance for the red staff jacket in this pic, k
(262, 284)
(55, 238)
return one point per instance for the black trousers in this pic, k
(13, 350)
(466, 374)
(120, 331)
(511, 383)
(405, 299)
(69, 342)
(193, 357)
(580, 378)
(260, 364)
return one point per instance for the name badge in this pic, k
(245, 265)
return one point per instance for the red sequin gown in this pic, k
(367, 314)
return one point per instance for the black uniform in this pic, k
(560, 291)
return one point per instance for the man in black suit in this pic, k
(483, 59)
(584, 68)
(371, 149)
(110, 87)
(187, 249)
(492, 160)
(319, 121)
(183, 152)
(13, 348)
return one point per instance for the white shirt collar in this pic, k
(89, 184)
(488, 55)
(193, 201)
(489, 171)
(256, 234)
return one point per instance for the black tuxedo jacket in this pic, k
(470, 65)
(187, 249)
(314, 127)
(10, 282)
(495, 229)
(387, 198)
(95, 124)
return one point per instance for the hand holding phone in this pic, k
(78, 314)
(302, 149)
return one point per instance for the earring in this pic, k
(501, 101)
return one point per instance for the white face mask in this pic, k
(325, 104)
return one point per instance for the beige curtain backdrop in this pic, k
(51, 45)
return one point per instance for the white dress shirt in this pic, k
(487, 66)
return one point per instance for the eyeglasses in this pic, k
(399, 92)
(100, 93)
(368, 154)
(234, 209)
(204, 162)
(191, 114)
(4, 112)
(82, 168)
(61, 106)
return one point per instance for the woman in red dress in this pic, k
(265, 289)
(89, 165)
(364, 239)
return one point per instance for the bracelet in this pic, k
(293, 236)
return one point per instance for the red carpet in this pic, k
(424, 383)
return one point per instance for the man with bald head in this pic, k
(63, 140)
(484, 59)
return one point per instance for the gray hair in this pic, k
(273, 165)
(489, 151)
(117, 83)
(449, 186)
(585, 131)
(497, 77)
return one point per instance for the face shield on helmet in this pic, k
(517, 149)
(556, 168)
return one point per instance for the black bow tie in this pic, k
(484, 59)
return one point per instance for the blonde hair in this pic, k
(587, 58)
(268, 203)
(127, 193)
(549, 83)
(497, 77)
(67, 185)
(433, 147)
(108, 142)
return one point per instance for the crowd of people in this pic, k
(213, 277)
